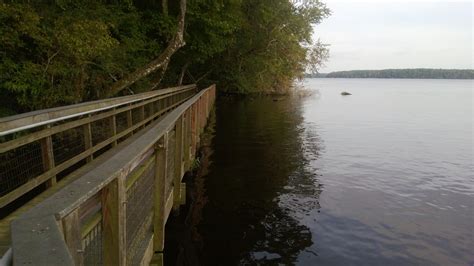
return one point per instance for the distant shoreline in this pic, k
(415, 73)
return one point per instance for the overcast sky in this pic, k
(398, 34)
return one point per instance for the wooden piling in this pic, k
(161, 169)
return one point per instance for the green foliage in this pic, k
(267, 46)
(58, 52)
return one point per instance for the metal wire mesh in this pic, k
(121, 121)
(158, 105)
(19, 165)
(101, 130)
(68, 144)
(149, 110)
(139, 211)
(137, 115)
(24, 163)
(93, 247)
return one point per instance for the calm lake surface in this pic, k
(381, 177)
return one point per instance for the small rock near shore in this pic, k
(345, 93)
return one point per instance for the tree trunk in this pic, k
(160, 62)
(183, 71)
(156, 81)
(164, 7)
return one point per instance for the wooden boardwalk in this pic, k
(112, 207)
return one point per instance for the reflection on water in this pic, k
(381, 177)
(257, 169)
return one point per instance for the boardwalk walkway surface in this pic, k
(108, 174)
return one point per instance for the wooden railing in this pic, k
(40, 148)
(115, 213)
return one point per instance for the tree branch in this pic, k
(49, 62)
(160, 62)
(203, 76)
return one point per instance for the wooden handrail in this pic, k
(16, 123)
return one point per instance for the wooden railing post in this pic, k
(88, 139)
(113, 213)
(72, 236)
(201, 104)
(198, 120)
(142, 114)
(129, 121)
(178, 163)
(113, 129)
(48, 158)
(206, 102)
(195, 130)
(161, 169)
(162, 104)
(203, 110)
(187, 137)
(185, 141)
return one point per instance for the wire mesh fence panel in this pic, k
(149, 110)
(158, 105)
(20, 165)
(90, 215)
(67, 144)
(139, 214)
(92, 246)
(101, 130)
(121, 121)
(137, 115)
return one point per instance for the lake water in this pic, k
(381, 177)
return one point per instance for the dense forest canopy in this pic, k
(58, 52)
(415, 73)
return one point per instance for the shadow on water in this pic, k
(242, 202)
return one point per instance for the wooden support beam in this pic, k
(178, 159)
(161, 169)
(183, 193)
(206, 103)
(129, 120)
(113, 213)
(194, 129)
(142, 114)
(113, 129)
(72, 236)
(187, 141)
(88, 140)
(157, 260)
(48, 158)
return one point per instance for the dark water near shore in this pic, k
(384, 176)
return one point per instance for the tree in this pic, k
(59, 52)
(161, 61)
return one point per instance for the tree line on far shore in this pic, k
(414, 73)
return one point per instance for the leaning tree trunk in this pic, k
(164, 7)
(160, 62)
(183, 71)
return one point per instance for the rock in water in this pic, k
(345, 93)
